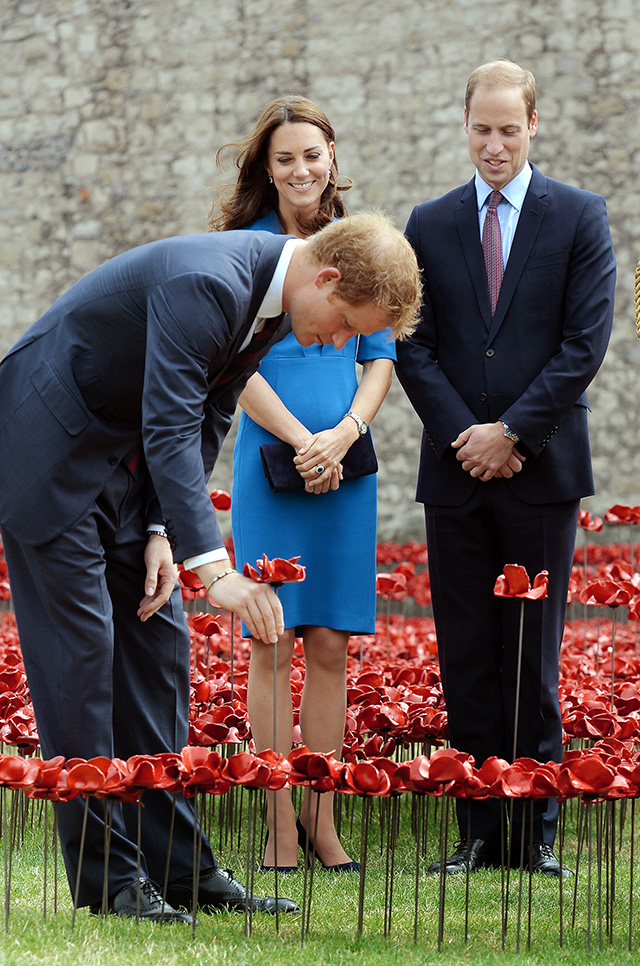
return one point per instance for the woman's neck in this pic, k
(291, 224)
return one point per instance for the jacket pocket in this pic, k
(58, 399)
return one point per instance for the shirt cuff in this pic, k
(204, 558)
(158, 528)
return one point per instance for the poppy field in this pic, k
(396, 776)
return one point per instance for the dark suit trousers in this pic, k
(103, 683)
(478, 633)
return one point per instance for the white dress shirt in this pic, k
(509, 208)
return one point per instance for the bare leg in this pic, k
(260, 707)
(322, 720)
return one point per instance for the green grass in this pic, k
(333, 934)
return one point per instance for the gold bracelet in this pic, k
(219, 576)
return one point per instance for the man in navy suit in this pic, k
(114, 406)
(500, 389)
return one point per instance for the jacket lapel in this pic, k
(466, 215)
(262, 275)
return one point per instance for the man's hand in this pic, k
(255, 603)
(161, 578)
(513, 465)
(485, 452)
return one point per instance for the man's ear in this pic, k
(327, 275)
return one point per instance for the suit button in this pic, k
(483, 397)
(490, 352)
(113, 460)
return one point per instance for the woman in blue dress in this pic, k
(309, 397)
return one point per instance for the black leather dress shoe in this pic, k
(543, 859)
(218, 889)
(473, 852)
(149, 907)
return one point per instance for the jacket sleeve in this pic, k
(443, 412)
(587, 316)
(191, 321)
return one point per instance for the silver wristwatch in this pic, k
(360, 423)
(510, 433)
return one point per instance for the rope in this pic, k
(637, 300)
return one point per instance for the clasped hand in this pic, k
(486, 453)
(325, 449)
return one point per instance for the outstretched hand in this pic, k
(161, 576)
(255, 603)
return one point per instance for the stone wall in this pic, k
(111, 113)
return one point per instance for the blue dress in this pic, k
(333, 533)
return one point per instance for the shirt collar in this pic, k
(513, 192)
(271, 305)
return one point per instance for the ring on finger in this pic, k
(319, 469)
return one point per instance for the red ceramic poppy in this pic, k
(221, 500)
(20, 729)
(589, 523)
(190, 581)
(142, 771)
(544, 780)
(201, 771)
(206, 624)
(50, 782)
(622, 514)
(514, 582)
(377, 746)
(364, 778)
(277, 571)
(605, 593)
(588, 776)
(17, 772)
(381, 717)
(88, 776)
(633, 612)
(267, 770)
(449, 765)
(320, 770)
(415, 775)
(513, 781)
(391, 586)
(12, 678)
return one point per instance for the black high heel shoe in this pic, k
(309, 852)
(282, 869)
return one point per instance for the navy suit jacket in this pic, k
(531, 364)
(136, 348)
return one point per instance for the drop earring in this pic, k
(270, 179)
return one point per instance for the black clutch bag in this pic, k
(281, 473)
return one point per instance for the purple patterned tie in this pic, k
(244, 358)
(492, 249)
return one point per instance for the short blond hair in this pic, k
(377, 265)
(503, 73)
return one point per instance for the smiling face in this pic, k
(299, 161)
(320, 317)
(499, 133)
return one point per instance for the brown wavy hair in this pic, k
(252, 197)
(377, 265)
